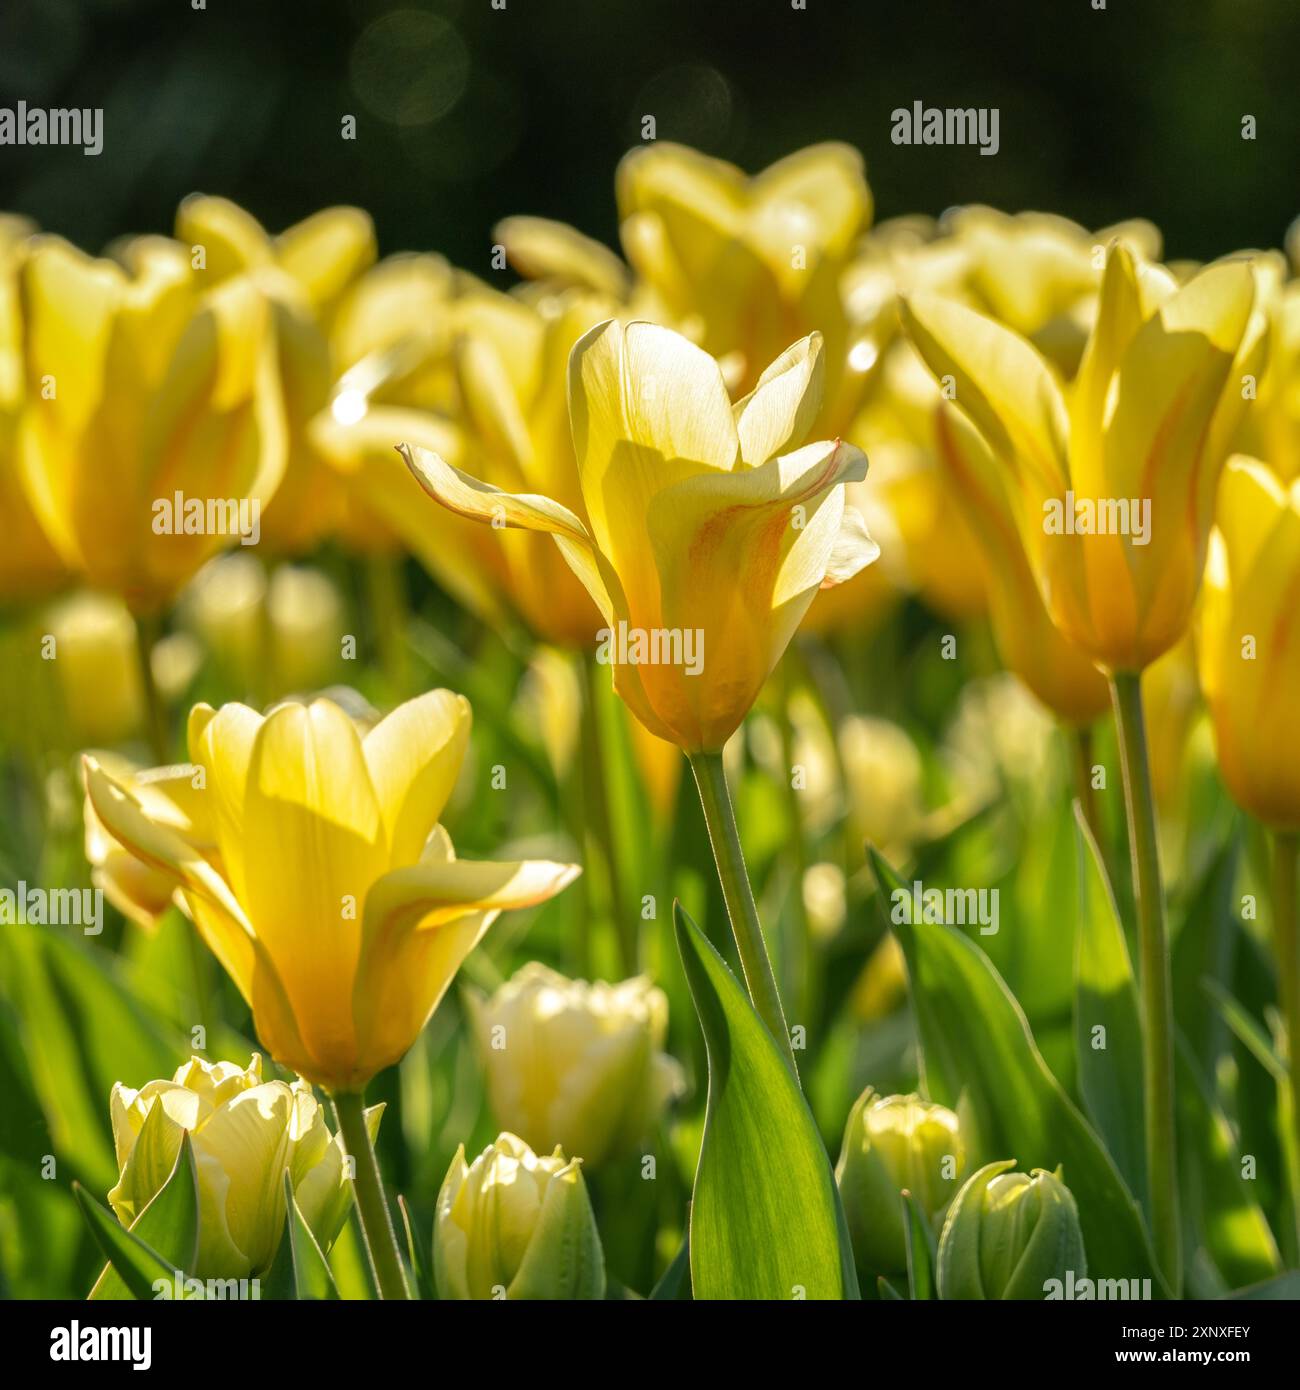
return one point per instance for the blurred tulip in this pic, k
(1007, 1234)
(96, 665)
(885, 782)
(702, 529)
(744, 265)
(245, 1133)
(148, 397)
(894, 1144)
(1271, 427)
(574, 1064)
(513, 1225)
(320, 878)
(1141, 442)
(1250, 642)
(30, 566)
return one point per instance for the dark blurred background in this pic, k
(466, 113)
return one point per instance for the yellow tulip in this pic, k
(305, 272)
(100, 691)
(319, 876)
(1061, 675)
(703, 529)
(1271, 427)
(1112, 488)
(746, 265)
(29, 564)
(246, 1133)
(575, 1064)
(1250, 642)
(143, 388)
(516, 1225)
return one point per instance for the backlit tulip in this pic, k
(516, 1225)
(1112, 486)
(1250, 641)
(894, 1144)
(319, 876)
(705, 539)
(1007, 1234)
(29, 564)
(153, 432)
(574, 1064)
(245, 1134)
(744, 265)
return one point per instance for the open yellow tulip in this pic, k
(315, 869)
(1113, 486)
(705, 540)
(152, 404)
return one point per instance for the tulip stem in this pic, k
(377, 1228)
(1156, 988)
(148, 629)
(599, 819)
(711, 780)
(386, 596)
(1286, 846)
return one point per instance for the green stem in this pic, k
(386, 595)
(711, 780)
(1081, 746)
(1286, 938)
(599, 822)
(798, 955)
(148, 629)
(377, 1228)
(1157, 995)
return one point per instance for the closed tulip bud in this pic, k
(574, 1064)
(707, 532)
(316, 871)
(96, 667)
(1250, 642)
(245, 1134)
(1006, 1234)
(892, 1144)
(513, 1225)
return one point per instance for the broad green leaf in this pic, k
(765, 1219)
(350, 1264)
(140, 1265)
(1285, 1286)
(169, 1223)
(1215, 1196)
(1108, 1029)
(311, 1272)
(975, 1039)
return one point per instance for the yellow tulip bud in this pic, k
(319, 876)
(153, 431)
(892, 1144)
(245, 1133)
(1112, 488)
(705, 539)
(513, 1225)
(575, 1064)
(96, 667)
(1250, 643)
(1007, 1234)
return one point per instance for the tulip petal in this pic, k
(414, 756)
(778, 413)
(324, 253)
(541, 249)
(420, 923)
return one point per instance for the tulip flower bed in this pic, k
(760, 770)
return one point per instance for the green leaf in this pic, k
(140, 1265)
(311, 1272)
(975, 1039)
(1251, 1036)
(169, 1224)
(766, 1219)
(417, 1249)
(888, 1293)
(1232, 1226)
(1106, 997)
(920, 1242)
(1285, 1286)
(675, 1283)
